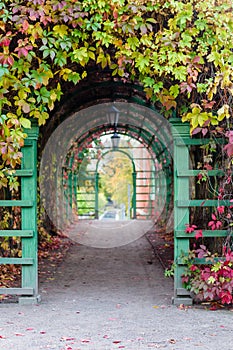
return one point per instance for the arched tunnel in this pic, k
(145, 138)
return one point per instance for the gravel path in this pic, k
(105, 299)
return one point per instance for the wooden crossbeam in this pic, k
(17, 291)
(17, 261)
(16, 203)
(16, 233)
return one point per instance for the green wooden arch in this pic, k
(157, 151)
(182, 203)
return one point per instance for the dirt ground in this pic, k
(105, 299)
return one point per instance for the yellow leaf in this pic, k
(60, 30)
(223, 112)
(53, 96)
(91, 55)
(84, 74)
(5, 245)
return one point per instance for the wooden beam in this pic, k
(17, 261)
(16, 203)
(17, 291)
(16, 233)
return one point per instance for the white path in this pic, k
(104, 299)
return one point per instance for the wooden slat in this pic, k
(17, 261)
(23, 172)
(206, 233)
(182, 291)
(17, 291)
(186, 141)
(86, 208)
(145, 178)
(191, 142)
(189, 173)
(137, 193)
(16, 233)
(16, 203)
(28, 142)
(201, 203)
(202, 261)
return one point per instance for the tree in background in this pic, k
(115, 176)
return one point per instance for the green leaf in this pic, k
(174, 90)
(26, 123)
(3, 70)
(180, 73)
(81, 55)
(74, 77)
(133, 42)
(142, 62)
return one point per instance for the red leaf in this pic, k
(10, 60)
(204, 131)
(198, 234)
(196, 131)
(116, 341)
(229, 149)
(196, 59)
(66, 338)
(214, 217)
(25, 25)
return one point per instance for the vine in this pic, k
(179, 51)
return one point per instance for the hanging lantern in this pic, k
(115, 138)
(113, 115)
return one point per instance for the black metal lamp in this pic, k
(112, 118)
(113, 115)
(115, 138)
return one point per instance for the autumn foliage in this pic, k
(179, 51)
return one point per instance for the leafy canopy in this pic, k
(180, 51)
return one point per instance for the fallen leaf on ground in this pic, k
(66, 338)
(172, 341)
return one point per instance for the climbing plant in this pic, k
(181, 52)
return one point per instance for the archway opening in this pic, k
(72, 155)
(79, 157)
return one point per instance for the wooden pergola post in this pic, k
(180, 132)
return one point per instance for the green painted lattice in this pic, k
(28, 203)
(28, 291)
(183, 204)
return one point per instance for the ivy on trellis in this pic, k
(180, 52)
